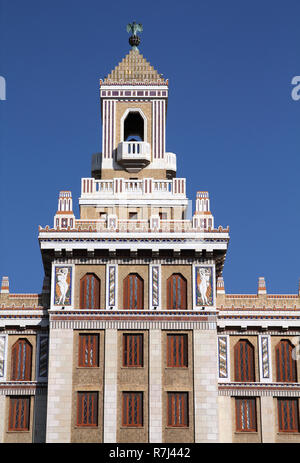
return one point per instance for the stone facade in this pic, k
(133, 337)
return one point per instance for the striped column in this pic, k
(108, 128)
(158, 129)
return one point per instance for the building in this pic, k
(133, 337)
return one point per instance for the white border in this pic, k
(52, 305)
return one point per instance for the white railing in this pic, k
(148, 187)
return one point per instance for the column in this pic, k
(59, 407)
(225, 419)
(206, 386)
(110, 386)
(155, 387)
(267, 414)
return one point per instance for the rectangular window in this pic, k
(177, 350)
(132, 409)
(87, 409)
(132, 350)
(88, 352)
(19, 408)
(177, 409)
(288, 415)
(246, 415)
(133, 215)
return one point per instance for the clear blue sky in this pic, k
(231, 119)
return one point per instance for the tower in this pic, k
(133, 283)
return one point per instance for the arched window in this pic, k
(90, 292)
(244, 366)
(134, 126)
(133, 291)
(285, 364)
(21, 361)
(176, 292)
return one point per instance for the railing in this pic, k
(137, 225)
(122, 187)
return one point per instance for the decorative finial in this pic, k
(134, 39)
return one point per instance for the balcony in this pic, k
(133, 155)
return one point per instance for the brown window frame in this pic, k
(286, 366)
(19, 421)
(133, 349)
(244, 354)
(240, 404)
(21, 360)
(90, 299)
(177, 350)
(92, 401)
(132, 409)
(291, 412)
(178, 413)
(88, 350)
(176, 292)
(133, 283)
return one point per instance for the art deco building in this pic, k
(133, 337)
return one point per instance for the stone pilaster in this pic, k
(267, 419)
(225, 419)
(60, 386)
(206, 386)
(110, 386)
(155, 386)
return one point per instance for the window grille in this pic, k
(88, 350)
(176, 292)
(21, 361)
(177, 350)
(288, 415)
(132, 409)
(87, 409)
(177, 409)
(285, 364)
(246, 415)
(132, 350)
(244, 361)
(19, 408)
(90, 292)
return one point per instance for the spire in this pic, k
(134, 39)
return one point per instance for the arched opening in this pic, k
(244, 366)
(21, 361)
(133, 291)
(176, 292)
(286, 368)
(90, 292)
(134, 127)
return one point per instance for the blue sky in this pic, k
(231, 119)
